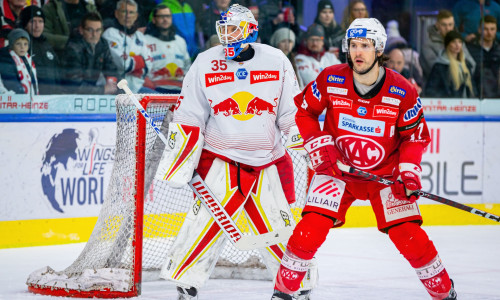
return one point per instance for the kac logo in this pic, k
(335, 79)
(242, 74)
(397, 91)
(356, 32)
(362, 111)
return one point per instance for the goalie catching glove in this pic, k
(324, 154)
(408, 182)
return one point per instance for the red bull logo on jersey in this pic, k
(385, 111)
(363, 152)
(226, 107)
(263, 76)
(218, 78)
(243, 106)
(340, 102)
(397, 91)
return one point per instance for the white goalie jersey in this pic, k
(241, 107)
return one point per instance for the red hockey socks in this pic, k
(307, 237)
(291, 272)
(415, 246)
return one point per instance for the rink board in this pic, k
(462, 167)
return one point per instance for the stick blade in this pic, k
(250, 242)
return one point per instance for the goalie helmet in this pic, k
(236, 28)
(369, 28)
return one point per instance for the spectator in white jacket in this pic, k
(128, 46)
(169, 53)
(312, 57)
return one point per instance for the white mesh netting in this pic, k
(107, 261)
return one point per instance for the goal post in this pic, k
(141, 216)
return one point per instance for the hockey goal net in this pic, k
(141, 216)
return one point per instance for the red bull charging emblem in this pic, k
(243, 106)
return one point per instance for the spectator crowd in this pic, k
(86, 46)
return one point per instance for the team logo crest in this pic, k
(364, 153)
(171, 139)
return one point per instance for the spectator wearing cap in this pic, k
(433, 43)
(9, 12)
(169, 53)
(32, 19)
(284, 39)
(411, 57)
(450, 76)
(62, 18)
(18, 72)
(312, 57)
(325, 16)
(88, 65)
(486, 52)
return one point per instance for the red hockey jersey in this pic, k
(374, 134)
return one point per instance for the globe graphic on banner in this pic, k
(59, 150)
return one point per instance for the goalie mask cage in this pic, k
(141, 216)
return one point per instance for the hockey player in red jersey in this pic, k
(374, 122)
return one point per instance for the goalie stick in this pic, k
(210, 202)
(373, 177)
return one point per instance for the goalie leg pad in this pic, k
(268, 210)
(414, 244)
(198, 245)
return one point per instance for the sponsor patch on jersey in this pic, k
(340, 102)
(363, 101)
(362, 111)
(263, 76)
(335, 79)
(390, 100)
(413, 112)
(242, 73)
(361, 126)
(114, 45)
(395, 209)
(218, 78)
(336, 90)
(356, 32)
(315, 91)
(326, 192)
(363, 152)
(397, 91)
(385, 111)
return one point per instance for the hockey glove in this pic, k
(408, 182)
(324, 154)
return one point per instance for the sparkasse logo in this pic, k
(218, 78)
(262, 76)
(385, 111)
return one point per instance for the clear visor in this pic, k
(230, 32)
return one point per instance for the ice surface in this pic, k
(354, 263)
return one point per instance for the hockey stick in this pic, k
(373, 177)
(210, 202)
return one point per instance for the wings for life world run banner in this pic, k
(55, 170)
(62, 169)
